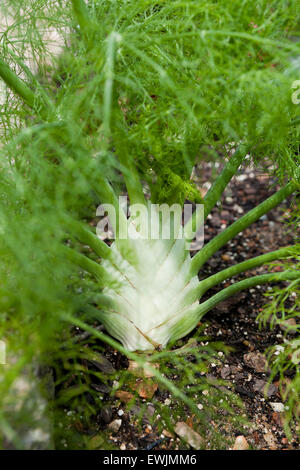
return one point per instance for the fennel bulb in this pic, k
(149, 290)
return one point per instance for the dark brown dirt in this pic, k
(234, 321)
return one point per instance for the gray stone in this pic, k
(115, 425)
(261, 386)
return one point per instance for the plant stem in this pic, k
(108, 85)
(82, 16)
(245, 284)
(130, 174)
(215, 192)
(99, 246)
(18, 86)
(217, 189)
(103, 302)
(32, 78)
(107, 195)
(84, 262)
(241, 224)
(202, 34)
(221, 276)
(132, 181)
(86, 236)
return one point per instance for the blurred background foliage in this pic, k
(158, 85)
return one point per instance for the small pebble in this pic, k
(115, 425)
(277, 406)
(241, 443)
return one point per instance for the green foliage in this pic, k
(165, 80)
(283, 310)
(85, 388)
(142, 90)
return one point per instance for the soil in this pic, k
(234, 322)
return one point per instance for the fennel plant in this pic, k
(141, 89)
(149, 290)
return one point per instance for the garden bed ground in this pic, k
(233, 322)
